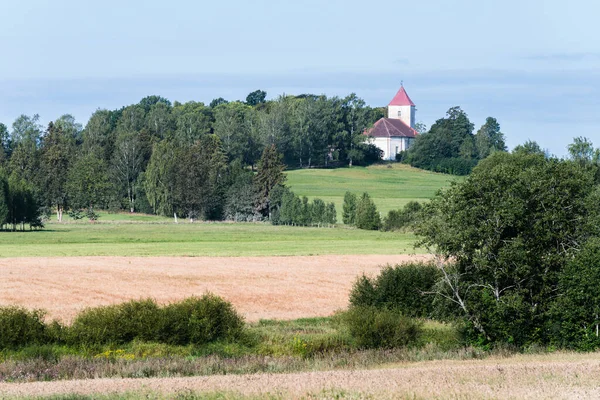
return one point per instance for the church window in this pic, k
(397, 150)
(399, 113)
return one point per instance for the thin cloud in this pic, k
(567, 56)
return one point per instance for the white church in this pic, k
(396, 132)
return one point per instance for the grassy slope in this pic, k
(391, 186)
(198, 239)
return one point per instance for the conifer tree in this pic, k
(367, 216)
(349, 211)
(269, 175)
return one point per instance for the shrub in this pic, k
(121, 323)
(20, 327)
(401, 287)
(376, 328)
(402, 219)
(200, 320)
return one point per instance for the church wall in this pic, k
(407, 114)
(391, 146)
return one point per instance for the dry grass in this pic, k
(554, 376)
(259, 287)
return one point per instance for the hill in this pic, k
(390, 185)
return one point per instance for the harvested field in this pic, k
(555, 376)
(259, 287)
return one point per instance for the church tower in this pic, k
(401, 107)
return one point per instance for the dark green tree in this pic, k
(349, 209)
(4, 143)
(489, 138)
(88, 184)
(217, 102)
(576, 322)
(255, 98)
(199, 190)
(448, 146)
(58, 148)
(367, 216)
(127, 165)
(269, 175)
(4, 199)
(504, 235)
(159, 179)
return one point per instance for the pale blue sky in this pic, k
(534, 65)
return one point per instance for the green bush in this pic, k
(404, 218)
(20, 327)
(200, 320)
(381, 328)
(403, 287)
(120, 323)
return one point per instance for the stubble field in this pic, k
(259, 287)
(556, 376)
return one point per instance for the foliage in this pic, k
(20, 327)
(190, 321)
(576, 312)
(349, 213)
(582, 151)
(269, 175)
(116, 324)
(367, 216)
(255, 98)
(408, 288)
(199, 182)
(22, 205)
(240, 198)
(380, 328)
(294, 210)
(450, 146)
(87, 183)
(489, 138)
(57, 150)
(200, 320)
(405, 218)
(509, 230)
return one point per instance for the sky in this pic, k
(534, 65)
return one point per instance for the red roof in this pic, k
(401, 99)
(391, 127)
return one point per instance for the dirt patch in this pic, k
(259, 287)
(514, 378)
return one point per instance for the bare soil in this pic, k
(259, 287)
(553, 376)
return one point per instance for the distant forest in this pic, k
(199, 160)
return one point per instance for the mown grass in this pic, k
(198, 239)
(391, 186)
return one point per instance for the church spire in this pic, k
(401, 98)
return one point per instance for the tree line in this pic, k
(516, 250)
(165, 158)
(450, 146)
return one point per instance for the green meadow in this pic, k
(390, 185)
(110, 238)
(124, 234)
